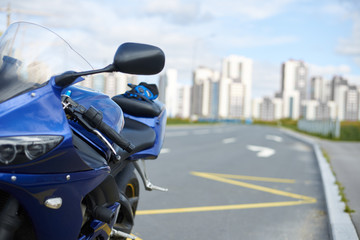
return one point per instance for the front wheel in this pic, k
(129, 189)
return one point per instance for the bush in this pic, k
(350, 131)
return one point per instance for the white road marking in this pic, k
(262, 151)
(201, 131)
(228, 140)
(218, 130)
(164, 150)
(177, 134)
(274, 138)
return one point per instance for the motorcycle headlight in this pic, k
(16, 150)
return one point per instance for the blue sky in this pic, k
(323, 33)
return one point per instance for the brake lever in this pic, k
(76, 112)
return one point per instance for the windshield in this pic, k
(30, 54)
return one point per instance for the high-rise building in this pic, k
(310, 107)
(352, 104)
(168, 92)
(317, 88)
(184, 100)
(205, 93)
(267, 109)
(255, 108)
(293, 87)
(335, 83)
(327, 91)
(235, 87)
(109, 83)
(339, 99)
(326, 110)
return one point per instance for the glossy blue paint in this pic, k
(158, 124)
(112, 113)
(39, 112)
(32, 190)
(59, 173)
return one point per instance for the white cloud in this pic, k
(176, 11)
(328, 71)
(334, 9)
(351, 45)
(248, 10)
(257, 41)
(180, 27)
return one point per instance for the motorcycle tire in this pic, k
(128, 185)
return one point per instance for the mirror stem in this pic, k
(68, 78)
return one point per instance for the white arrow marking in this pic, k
(262, 151)
(228, 140)
(274, 138)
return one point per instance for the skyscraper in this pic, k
(352, 104)
(184, 99)
(293, 87)
(109, 83)
(235, 87)
(204, 101)
(317, 88)
(168, 91)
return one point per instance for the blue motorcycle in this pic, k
(68, 154)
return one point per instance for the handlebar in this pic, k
(94, 118)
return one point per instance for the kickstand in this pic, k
(147, 184)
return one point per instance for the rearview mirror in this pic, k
(132, 58)
(136, 58)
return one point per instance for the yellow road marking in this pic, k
(225, 178)
(137, 238)
(251, 178)
(222, 208)
(252, 186)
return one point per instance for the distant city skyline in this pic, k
(227, 94)
(325, 34)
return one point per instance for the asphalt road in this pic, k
(233, 182)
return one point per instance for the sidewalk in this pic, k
(345, 161)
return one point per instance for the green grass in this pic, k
(349, 131)
(341, 188)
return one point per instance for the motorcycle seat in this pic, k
(139, 134)
(136, 107)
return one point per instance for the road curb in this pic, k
(340, 223)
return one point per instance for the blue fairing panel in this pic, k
(32, 190)
(158, 124)
(40, 112)
(112, 113)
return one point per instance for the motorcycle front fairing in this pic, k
(58, 173)
(111, 112)
(36, 112)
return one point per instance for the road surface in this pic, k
(233, 182)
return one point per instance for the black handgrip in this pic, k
(116, 137)
(94, 118)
